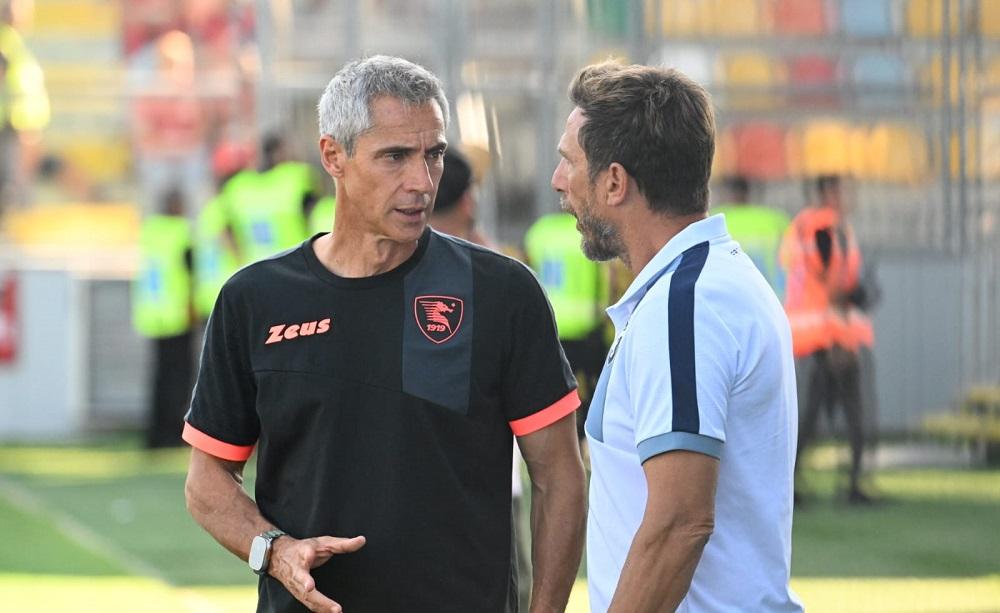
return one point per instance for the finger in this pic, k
(302, 581)
(335, 544)
(318, 602)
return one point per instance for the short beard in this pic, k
(601, 240)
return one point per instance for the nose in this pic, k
(418, 177)
(559, 178)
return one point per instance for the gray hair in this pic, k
(345, 106)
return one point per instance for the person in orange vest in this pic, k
(824, 300)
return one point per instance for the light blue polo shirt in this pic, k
(702, 361)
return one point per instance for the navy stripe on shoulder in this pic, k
(680, 308)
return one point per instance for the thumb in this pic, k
(335, 544)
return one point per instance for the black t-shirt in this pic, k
(384, 406)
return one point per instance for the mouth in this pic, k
(413, 213)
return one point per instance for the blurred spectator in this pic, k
(162, 311)
(757, 228)
(268, 209)
(169, 124)
(24, 106)
(215, 255)
(579, 291)
(322, 215)
(824, 302)
(455, 206)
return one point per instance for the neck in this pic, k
(646, 235)
(355, 255)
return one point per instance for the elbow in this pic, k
(700, 531)
(689, 532)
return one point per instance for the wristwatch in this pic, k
(260, 551)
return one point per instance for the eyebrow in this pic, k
(440, 146)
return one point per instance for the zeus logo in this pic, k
(283, 332)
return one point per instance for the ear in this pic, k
(616, 181)
(333, 156)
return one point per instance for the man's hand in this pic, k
(292, 559)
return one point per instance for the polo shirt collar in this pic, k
(709, 229)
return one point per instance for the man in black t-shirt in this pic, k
(380, 372)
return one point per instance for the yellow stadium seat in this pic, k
(90, 18)
(857, 144)
(749, 77)
(975, 143)
(826, 148)
(989, 18)
(932, 80)
(896, 153)
(991, 80)
(925, 17)
(75, 225)
(679, 17)
(102, 159)
(736, 17)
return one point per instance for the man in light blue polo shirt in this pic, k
(692, 428)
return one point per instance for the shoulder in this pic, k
(260, 277)
(486, 261)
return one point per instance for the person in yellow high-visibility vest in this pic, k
(215, 254)
(267, 209)
(579, 291)
(162, 311)
(757, 228)
(24, 108)
(322, 215)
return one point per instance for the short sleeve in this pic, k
(222, 420)
(681, 369)
(538, 384)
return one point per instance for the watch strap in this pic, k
(268, 538)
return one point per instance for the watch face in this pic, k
(258, 553)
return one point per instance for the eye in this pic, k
(395, 156)
(436, 155)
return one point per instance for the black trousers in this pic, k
(832, 378)
(173, 374)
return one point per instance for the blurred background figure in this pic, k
(169, 123)
(829, 329)
(215, 254)
(163, 312)
(578, 290)
(24, 106)
(268, 208)
(322, 215)
(757, 228)
(455, 207)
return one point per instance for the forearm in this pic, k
(659, 567)
(558, 520)
(219, 504)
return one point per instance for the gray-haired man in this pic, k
(380, 371)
